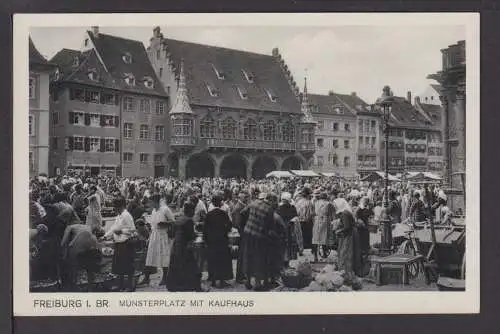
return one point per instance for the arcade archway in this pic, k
(200, 165)
(262, 166)
(291, 163)
(233, 165)
(173, 165)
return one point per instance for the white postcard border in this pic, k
(263, 303)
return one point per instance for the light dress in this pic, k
(160, 244)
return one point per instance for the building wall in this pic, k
(368, 137)
(39, 111)
(324, 157)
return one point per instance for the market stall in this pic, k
(305, 173)
(379, 176)
(279, 174)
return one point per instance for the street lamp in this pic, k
(385, 103)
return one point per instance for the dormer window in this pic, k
(273, 97)
(243, 93)
(127, 58)
(213, 91)
(249, 76)
(57, 74)
(76, 61)
(148, 82)
(130, 79)
(220, 74)
(93, 75)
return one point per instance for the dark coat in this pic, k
(217, 226)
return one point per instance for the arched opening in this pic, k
(291, 163)
(262, 166)
(173, 165)
(233, 166)
(200, 165)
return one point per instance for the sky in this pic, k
(345, 59)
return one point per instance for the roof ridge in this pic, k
(219, 47)
(117, 37)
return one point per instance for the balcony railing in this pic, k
(367, 150)
(247, 143)
(307, 146)
(182, 141)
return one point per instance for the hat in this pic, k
(286, 196)
(262, 195)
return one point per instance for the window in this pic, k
(77, 94)
(271, 95)
(95, 144)
(144, 106)
(347, 127)
(78, 144)
(159, 133)
(182, 127)
(95, 120)
(76, 118)
(220, 74)
(93, 75)
(250, 129)
(249, 76)
(160, 108)
(127, 58)
(320, 160)
(346, 144)
(128, 157)
(307, 136)
(335, 126)
(207, 128)
(373, 142)
(109, 121)
(92, 96)
(144, 132)
(335, 143)
(149, 82)
(161, 72)
(243, 93)
(128, 103)
(32, 87)
(269, 131)
(54, 143)
(128, 130)
(109, 145)
(143, 158)
(159, 159)
(228, 128)
(373, 124)
(109, 99)
(130, 79)
(213, 91)
(76, 61)
(321, 125)
(360, 125)
(55, 117)
(367, 142)
(334, 160)
(360, 141)
(32, 161)
(319, 142)
(347, 161)
(288, 130)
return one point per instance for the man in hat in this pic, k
(443, 212)
(305, 211)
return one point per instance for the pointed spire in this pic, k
(304, 107)
(181, 105)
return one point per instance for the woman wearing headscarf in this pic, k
(363, 214)
(293, 242)
(322, 229)
(349, 252)
(160, 241)
(184, 273)
(94, 218)
(216, 228)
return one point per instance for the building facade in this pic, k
(453, 126)
(39, 106)
(414, 139)
(336, 132)
(369, 136)
(109, 110)
(234, 113)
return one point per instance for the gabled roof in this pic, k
(349, 104)
(87, 62)
(437, 88)
(35, 57)
(200, 61)
(112, 49)
(434, 113)
(405, 115)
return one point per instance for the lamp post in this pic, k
(385, 103)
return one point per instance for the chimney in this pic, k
(417, 99)
(330, 93)
(157, 32)
(408, 96)
(354, 94)
(95, 31)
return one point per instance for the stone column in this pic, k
(460, 129)
(445, 138)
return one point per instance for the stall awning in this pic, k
(305, 173)
(377, 176)
(279, 174)
(329, 174)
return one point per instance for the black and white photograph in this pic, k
(238, 154)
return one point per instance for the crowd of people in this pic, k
(183, 226)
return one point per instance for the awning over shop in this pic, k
(305, 173)
(329, 174)
(279, 174)
(378, 176)
(423, 177)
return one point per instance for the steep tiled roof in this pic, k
(35, 57)
(200, 60)
(437, 88)
(434, 112)
(406, 115)
(112, 50)
(326, 104)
